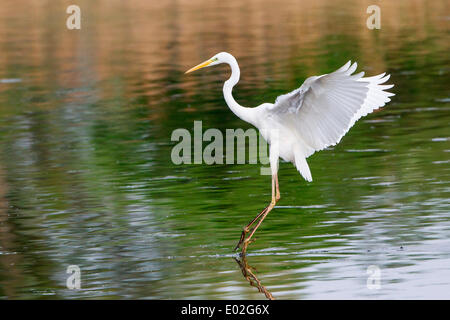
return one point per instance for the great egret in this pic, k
(306, 120)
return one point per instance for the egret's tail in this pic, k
(302, 167)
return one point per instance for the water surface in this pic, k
(86, 176)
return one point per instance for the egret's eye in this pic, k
(215, 59)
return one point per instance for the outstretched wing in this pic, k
(324, 108)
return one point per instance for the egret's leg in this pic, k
(260, 216)
(278, 196)
(247, 228)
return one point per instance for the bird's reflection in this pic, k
(251, 277)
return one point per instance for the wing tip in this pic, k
(345, 67)
(352, 68)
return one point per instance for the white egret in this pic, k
(306, 120)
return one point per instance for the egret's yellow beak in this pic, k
(201, 65)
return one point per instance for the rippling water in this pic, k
(86, 176)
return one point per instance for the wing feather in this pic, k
(326, 107)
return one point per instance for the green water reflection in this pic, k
(86, 176)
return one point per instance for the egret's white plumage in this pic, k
(319, 113)
(315, 116)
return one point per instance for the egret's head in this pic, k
(221, 57)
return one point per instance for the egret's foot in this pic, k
(245, 245)
(247, 228)
(241, 240)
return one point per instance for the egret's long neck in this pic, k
(245, 114)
